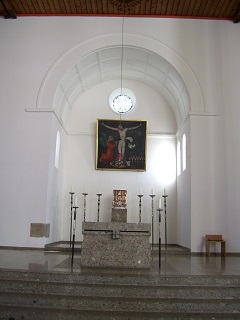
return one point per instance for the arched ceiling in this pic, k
(122, 62)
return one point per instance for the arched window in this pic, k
(178, 158)
(57, 150)
(184, 152)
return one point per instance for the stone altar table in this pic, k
(116, 244)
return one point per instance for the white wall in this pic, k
(204, 178)
(94, 104)
(207, 50)
(54, 210)
(184, 190)
(23, 174)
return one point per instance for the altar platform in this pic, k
(175, 261)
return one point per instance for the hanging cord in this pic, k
(122, 51)
(122, 57)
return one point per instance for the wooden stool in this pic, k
(215, 238)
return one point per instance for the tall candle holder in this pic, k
(159, 238)
(165, 214)
(152, 196)
(140, 207)
(99, 196)
(71, 216)
(74, 229)
(84, 205)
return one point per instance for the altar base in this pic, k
(116, 245)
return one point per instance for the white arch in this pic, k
(178, 66)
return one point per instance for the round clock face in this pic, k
(122, 103)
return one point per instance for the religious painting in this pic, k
(121, 145)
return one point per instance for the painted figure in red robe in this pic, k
(108, 156)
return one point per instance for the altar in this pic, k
(116, 244)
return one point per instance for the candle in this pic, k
(140, 191)
(98, 190)
(160, 203)
(152, 191)
(71, 188)
(165, 192)
(76, 201)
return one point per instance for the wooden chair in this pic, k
(215, 238)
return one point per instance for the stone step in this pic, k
(122, 278)
(18, 313)
(35, 296)
(120, 291)
(115, 304)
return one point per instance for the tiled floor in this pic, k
(171, 264)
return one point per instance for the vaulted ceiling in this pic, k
(196, 9)
(133, 63)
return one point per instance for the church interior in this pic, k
(119, 150)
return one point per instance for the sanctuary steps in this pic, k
(70, 296)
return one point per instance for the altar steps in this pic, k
(43, 296)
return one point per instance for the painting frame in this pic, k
(121, 144)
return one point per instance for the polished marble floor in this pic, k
(171, 264)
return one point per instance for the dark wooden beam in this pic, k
(7, 10)
(236, 17)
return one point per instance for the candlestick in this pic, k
(76, 201)
(165, 212)
(160, 203)
(159, 238)
(84, 205)
(152, 196)
(98, 213)
(71, 215)
(140, 207)
(74, 229)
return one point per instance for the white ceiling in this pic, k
(128, 62)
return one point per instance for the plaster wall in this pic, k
(54, 209)
(24, 174)
(184, 190)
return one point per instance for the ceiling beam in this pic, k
(236, 17)
(6, 10)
